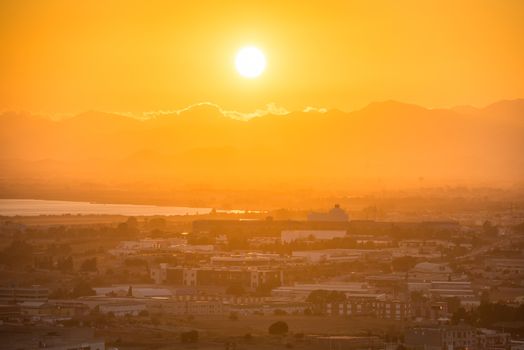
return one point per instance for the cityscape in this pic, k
(234, 175)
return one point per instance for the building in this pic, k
(301, 291)
(35, 308)
(9, 312)
(262, 228)
(374, 305)
(441, 337)
(340, 255)
(63, 338)
(122, 308)
(125, 248)
(246, 276)
(426, 271)
(137, 292)
(421, 248)
(456, 337)
(508, 266)
(86, 345)
(273, 228)
(430, 310)
(393, 310)
(489, 339)
(247, 259)
(344, 342)
(452, 289)
(20, 294)
(203, 305)
(271, 308)
(334, 215)
(70, 309)
(289, 236)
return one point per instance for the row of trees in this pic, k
(277, 328)
(22, 254)
(80, 289)
(487, 314)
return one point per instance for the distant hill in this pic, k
(384, 144)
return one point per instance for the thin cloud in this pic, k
(310, 109)
(271, 108)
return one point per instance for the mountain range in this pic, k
(384, 144)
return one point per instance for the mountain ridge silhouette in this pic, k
(393, 141)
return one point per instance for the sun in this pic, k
(250, 62)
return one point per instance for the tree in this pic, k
(321, 296)
(278, 328)
(489, 229)
(156, 223)
(484, 296)
(189, 337)
(18, 253)
(81, 289)
(65, 264)
(403, 263)
(143, 313)
(453, 304)
(89, 265)
(519, 228)
(132, 223)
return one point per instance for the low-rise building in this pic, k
(9, 312)
(489, 339)
(335, 214)
(84, 345)
(246, 259)
(20, 294)
(427, 271)
(372, 305)
(441, 337)
(508, 266)
(35, 308)
(289, 236)
(70, 309)
(270, 308)
(133, 247)
(342, 255)
(452, 289)
(122, 308)
(430, 310)
(344, 342)
(251, 277)
(301, 291)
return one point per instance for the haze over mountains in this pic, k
(387, 144)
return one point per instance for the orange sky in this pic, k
(135, 56)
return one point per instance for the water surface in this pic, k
(35, 207)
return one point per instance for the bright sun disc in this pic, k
(250, 62)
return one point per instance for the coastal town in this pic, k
(328, 279)
(262, 175)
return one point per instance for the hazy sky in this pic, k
(135, 56)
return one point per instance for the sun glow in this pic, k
(250, 62)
